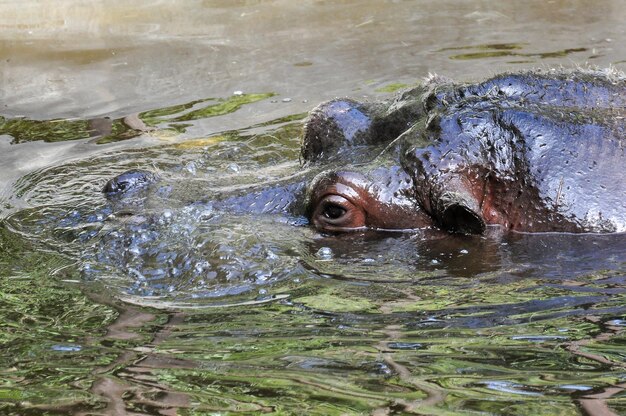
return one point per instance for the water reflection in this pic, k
(402, 257)
(379, 323)
(105, 130)
(405, 321)
(96, 59)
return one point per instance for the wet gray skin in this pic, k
(533, 152)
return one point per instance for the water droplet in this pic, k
(191, 168)
(233, 167)
(66, 347)
(201, 266)
(262, 276)
(508, 387)
(238, 92)
(404, 345)
(575, 387)
(324, 253)
(538, 338)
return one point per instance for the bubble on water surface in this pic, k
(66, 348)
(324, 253)
(194, 253)
(510, 387)
(191, 168)
(538, 338)
(404, 345)
(575, 387)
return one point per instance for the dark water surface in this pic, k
(183, 308)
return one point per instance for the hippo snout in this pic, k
(129, 181)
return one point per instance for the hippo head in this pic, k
(533, 152)
(369, 189)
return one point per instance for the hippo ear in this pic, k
(332, 126)
(458, 218)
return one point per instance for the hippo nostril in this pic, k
(128, 181)
(460, 219)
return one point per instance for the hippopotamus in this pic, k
(530, 152)
(537, 151)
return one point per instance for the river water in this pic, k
(186, 309)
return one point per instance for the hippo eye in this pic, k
(336, 213)
(333, 212)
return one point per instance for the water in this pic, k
(187, 309)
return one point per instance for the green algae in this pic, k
(223, 106)
(507, 50)
(332, 342)
(330, 349)
(24, 130)
(334, 303)
(496, 46)
(154, 117)
(393, 87)
(47, 330)
(105, 130)
(284, 360)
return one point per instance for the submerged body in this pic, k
(532, 152)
